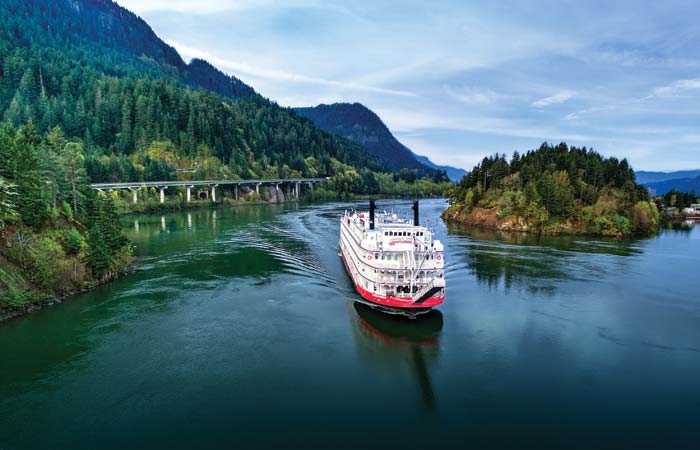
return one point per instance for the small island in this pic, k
(554, 190)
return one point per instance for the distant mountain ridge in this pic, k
(645, 177)
(453, 173)
(362, 125)
(662, 182)
(679, 184)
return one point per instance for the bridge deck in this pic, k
(158, 184)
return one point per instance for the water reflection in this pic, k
(685, 225)
(534, 262)
(396, 345)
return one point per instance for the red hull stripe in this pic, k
(397, 302)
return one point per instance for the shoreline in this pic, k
(237, 203)
(487, 219)
(15, 312)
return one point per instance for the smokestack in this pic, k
(371, 214)
(415, 213)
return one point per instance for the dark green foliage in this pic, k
(19, 164)
(678, 199)
(556, 187)
(74, 241)
(50, 204)
(585, 169)
(106, 238)
(99, 257)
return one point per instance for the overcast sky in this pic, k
(458, 81)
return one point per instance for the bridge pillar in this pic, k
(286, 196)
(162, 193)
(257, 188)
(189, 193)
(297, 188)
(135, 195)
(311, 185)
(213, 193)
(235, 191)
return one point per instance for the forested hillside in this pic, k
(89, 93)
(100, 74)
(554, 189)
(56, 235)
(362, 125)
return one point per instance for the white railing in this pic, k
(424, 290)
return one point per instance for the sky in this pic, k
(458, 80)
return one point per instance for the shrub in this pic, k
(645, 217)
(75, 243)
(48, 263)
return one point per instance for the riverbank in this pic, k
(9, 312)
(41, 265)
(643, 223)
(267, 196)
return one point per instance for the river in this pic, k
(240, 330)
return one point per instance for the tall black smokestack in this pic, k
(371, 214)
(415, 213)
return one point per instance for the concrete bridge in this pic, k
(290, 184)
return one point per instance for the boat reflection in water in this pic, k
(395, 343)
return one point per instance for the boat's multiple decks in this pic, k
(395, 263)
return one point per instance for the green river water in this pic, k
(240, 330)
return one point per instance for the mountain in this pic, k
(360, 124)
(101, 74)
(128, 42)
(679, 184)
(653, 177)
(453, 173)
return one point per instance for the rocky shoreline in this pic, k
(13, 312)
(488, 219)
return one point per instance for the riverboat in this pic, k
(395, 264)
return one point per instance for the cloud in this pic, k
(678, 87)
(555, 99)
(474, 96)
(411, 122)
(673, 90)
(279, 75)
